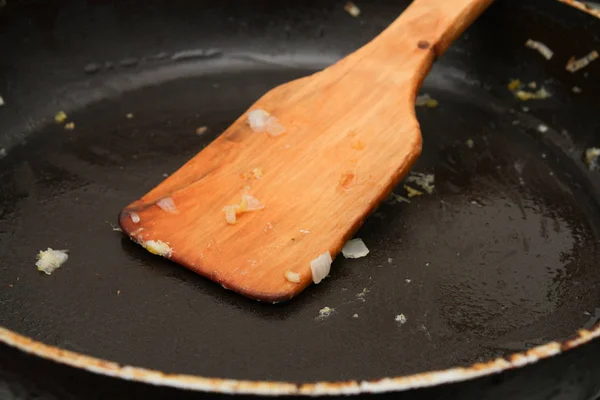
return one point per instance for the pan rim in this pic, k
(279, 388)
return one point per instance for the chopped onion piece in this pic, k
(49, 260)
(60, 117)
(135, 217)
(321, 266)
(230, 213)
(400, 318)
(167, 204)
(540, 47)
(257, 173)
(201, 130)
(70, 126)
(293, 277)
(250, 203)
(540, 94)
(326, 312)
(410, 192)
(257, 119)
(158, 247)
(355, 248)
(425, 181)
(592, 158)
(274, 128)
(574, 65)
(352, 9)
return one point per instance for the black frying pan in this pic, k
(501, 259)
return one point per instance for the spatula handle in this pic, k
(435, 23)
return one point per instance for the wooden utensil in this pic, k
(350, 136)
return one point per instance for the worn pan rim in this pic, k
(271, 388)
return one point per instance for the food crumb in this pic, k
(425, 181)
(514, 85)
(352, 9)
(70, 126)
(407, 281)
(395, 198)
(358, 144)
(576, 89)
(355, 316)
(400, 318)
(540, 94)
(293, 277)
(306, 232)
(411, 192)
(129, 116)
(201, 130)
(390, 260)
(118, 292)
(49, 260)
(325, 312)
(470, 143)
(542, 128)
(426, 100)
(592, 158)
(361, 295)
(1, 101)
(532, 85)
(2, 152)
(60, 117)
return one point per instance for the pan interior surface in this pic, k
(500, 257)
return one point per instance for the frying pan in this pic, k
(496, 272)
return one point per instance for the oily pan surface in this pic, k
(501, 257)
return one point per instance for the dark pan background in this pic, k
(502, 257)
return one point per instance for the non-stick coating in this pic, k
(501, 257)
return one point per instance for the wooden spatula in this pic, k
(350, 136)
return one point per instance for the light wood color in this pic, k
(352, 135)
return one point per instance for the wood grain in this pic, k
(351, 136)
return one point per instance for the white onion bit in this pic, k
(135, 217)
(230, 213)
(325, 312)
(158, 247)
(293, 277)
(251, 203)
(400, 318)
(355, 248)
(575, 65)
(261, 121)
(49, 260)
(540, 47)
(167, 204)
(257, 119)
(273, 127)
(321, 266)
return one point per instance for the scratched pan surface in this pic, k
(501, 257)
